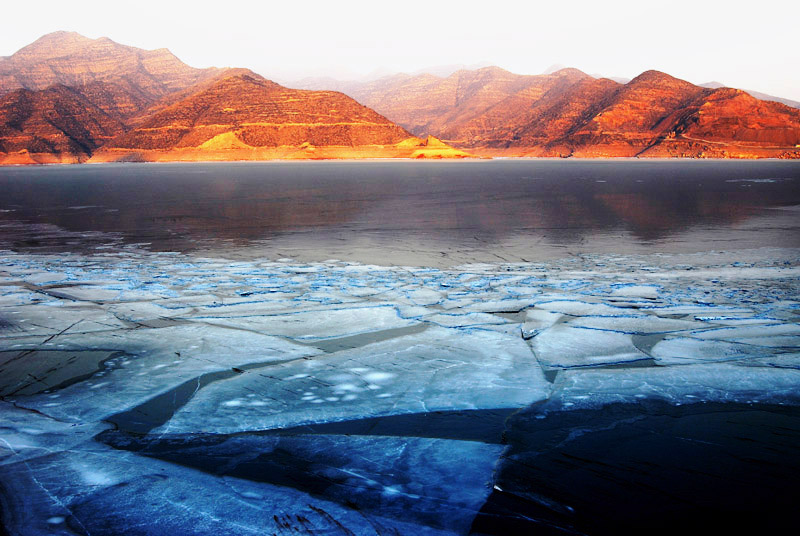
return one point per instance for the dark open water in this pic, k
(405, 212)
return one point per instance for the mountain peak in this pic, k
(74, 60)
(62, 35)
(554, 68)
(240, 75)
(54, 43)
(570, 71)
(656, 77)
(493, 69)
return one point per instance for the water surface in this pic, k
(430, 213)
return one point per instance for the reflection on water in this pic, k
(457, 210)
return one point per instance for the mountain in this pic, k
(243, 116)
(490, 111)
(70, 59)
(658, 115)
(548, 107)
(324, 83)
(627, 118)
(731, 123)
(65, 96)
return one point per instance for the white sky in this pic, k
(753, 45)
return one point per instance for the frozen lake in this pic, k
(502, 347)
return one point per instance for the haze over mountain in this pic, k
(67, 98)
(756, 94)
(71, 59)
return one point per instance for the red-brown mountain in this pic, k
(65, 95)
(757, 94)
(242, 115)
(494, 112)
(428, 104)
(262, 112)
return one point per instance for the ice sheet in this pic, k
(139, 386)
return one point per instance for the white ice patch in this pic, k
(436, 370)
(538, 320)
(581, 308)
(678, 385)
(649, 292)
(322, 324)
(563, 346)
(648, 324)
(687, 350)
(152, 371)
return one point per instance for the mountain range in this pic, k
(491, 111)
(67, 98)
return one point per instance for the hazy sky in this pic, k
(751, 45)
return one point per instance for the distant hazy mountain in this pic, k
(756, 94)
(617, 79)
(349, 85)
(446, 70)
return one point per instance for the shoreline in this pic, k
(418, 160)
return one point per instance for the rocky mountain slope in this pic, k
(568, 113)
(71, 59)
(757, 94)
(55, 125)
(427, 104)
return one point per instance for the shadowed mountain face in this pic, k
(60, 124)
(569, 113)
